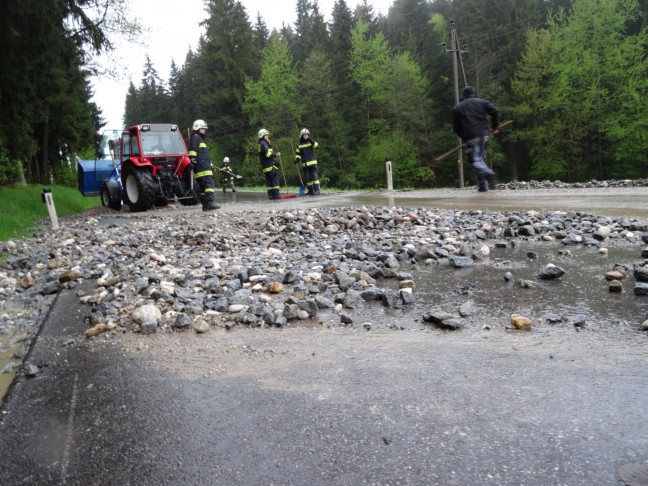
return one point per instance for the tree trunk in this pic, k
(44, 150)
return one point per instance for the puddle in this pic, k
(551, 304)
(622, 203)
(6, 358)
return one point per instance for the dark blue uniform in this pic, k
(269, 167)
(305, 153)
(203, 173)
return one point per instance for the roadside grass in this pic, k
(22, 208)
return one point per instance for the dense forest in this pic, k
(571, 74)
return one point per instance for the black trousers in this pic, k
(272, 183)
(311, 176)
(204, 177)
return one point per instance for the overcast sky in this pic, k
(173, 29)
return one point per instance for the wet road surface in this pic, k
(328, 405)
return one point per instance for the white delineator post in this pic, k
(388, 169)
(49, 201)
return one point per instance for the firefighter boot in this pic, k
(210, 206)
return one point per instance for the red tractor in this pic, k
(150, 167)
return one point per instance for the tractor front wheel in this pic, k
(139, 188)
(109, 202)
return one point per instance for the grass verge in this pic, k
(22, 208)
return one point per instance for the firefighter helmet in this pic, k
(304, 131)
(263, 132)
(198, 124)
(226, 160)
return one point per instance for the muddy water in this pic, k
(552, 305)
(613, 202)
(6, 359)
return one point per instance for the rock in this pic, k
(614, 275)
(275, 287)
(443, 320)
(461, 262)
(468, 308)
(641, 272)
(331, 229)
(641, 288)
(579, 320)
(148, 327)
(615, 286)
(550, 272)
(406, 284)
(182, 321)
(146, 313)
(200, 326)
(407, 297)
(30, 370)
(27, 282)
(601, 233)
(156, 257)
(99, 329)
(520, 322)
(69, 276)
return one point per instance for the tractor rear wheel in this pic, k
(139, 188)
(107, 201)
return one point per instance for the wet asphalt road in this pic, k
(324, 406)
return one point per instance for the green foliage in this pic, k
(10, 171)
(371, 163)
(272, 101)
(22, 209)
(45, 108)
(581, 84)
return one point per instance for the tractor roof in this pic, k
(156, 127)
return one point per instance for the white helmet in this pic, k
(263, 132)
(226, 160)
(304, 131)
(198, 124)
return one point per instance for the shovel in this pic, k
(438, 159)
(288, 195)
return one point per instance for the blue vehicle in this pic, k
(143, 166)
(96, 177)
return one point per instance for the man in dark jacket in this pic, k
(268, 165)
(470, 123)
(305, 153)
(201, 162)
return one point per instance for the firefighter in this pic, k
(227, 176)
(268, 164)
(305, 153)
(201, 162)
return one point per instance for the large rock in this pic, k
(550, 272)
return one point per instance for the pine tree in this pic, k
(226, 59)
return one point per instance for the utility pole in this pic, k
(456, 59)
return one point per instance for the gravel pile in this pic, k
(266, 267)
(522, 185)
